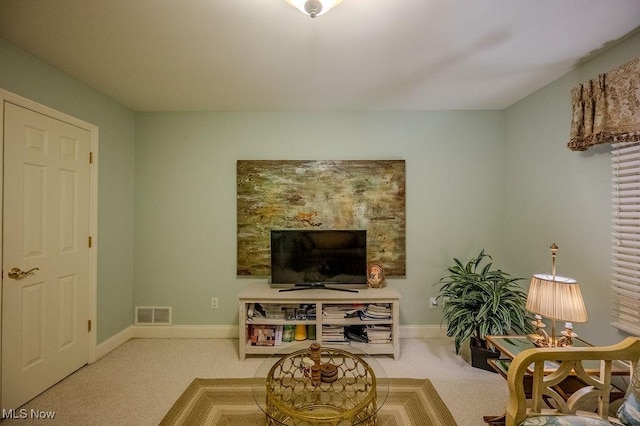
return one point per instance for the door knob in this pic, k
(17, 274)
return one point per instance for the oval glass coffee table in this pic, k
(311, 385)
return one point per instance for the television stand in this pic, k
(274, 302)
(314, 286)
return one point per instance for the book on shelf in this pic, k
(264, 335)
(278, 340)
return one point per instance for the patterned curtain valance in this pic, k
(607, 109)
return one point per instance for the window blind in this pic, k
(625, 162)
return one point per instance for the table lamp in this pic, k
(556, 298)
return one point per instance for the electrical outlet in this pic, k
(433, 303)
(214, 303)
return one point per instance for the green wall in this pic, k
(499, 180)
(185, 205)
(556, 195)
(27, 76)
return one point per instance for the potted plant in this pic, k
(478, 301)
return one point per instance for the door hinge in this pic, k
(89, 326)
(90, 241)
(91, 158)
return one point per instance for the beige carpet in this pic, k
(230, 402)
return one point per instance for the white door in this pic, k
(45, 313)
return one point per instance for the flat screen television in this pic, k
(303, 259)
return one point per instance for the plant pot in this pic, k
(480, 355)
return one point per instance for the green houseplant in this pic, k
(478, 301)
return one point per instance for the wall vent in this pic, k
(153, 315)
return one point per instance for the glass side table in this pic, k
(314, 385)
(510, 346)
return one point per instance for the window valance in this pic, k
(607, 108)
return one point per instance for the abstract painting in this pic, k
(319, 194)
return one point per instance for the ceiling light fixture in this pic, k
(314, 8)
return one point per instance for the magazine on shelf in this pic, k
(333, 333)
(341, 311)
(375, 312)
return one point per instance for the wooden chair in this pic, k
(570, 363)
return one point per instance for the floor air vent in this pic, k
(153, 315)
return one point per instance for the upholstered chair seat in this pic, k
(565, 420)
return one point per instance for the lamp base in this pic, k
(545, 341)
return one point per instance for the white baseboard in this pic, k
(228, 332)
(114, 342)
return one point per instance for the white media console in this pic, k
(318, 301)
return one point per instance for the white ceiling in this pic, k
(264, 55)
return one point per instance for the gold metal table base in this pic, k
(294, 398)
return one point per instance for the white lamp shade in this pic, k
(556, 298)
(327, 5)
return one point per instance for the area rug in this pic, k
(230, 402)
